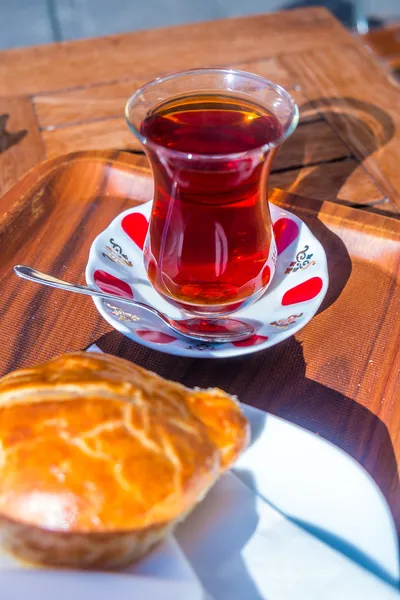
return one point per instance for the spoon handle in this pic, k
(38, 277)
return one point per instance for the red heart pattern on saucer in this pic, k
(112, 285)
(157, 337)
(307, 290)
(136, 225)
(286, 232)
(254, 340)
(300, 283)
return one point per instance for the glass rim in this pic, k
(281, 91)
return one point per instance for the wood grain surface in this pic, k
(338, 377)
(366, 112)
(21, 146)
(107, 100)
(310, 143)
(140, 54)
(338, 180)
(70, 97)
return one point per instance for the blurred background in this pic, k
(27, 22)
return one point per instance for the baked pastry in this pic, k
(100, 458)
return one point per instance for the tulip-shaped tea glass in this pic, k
(210, 136)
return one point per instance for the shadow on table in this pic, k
(354, 120)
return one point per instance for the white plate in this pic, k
(300, 283)
(322, 488)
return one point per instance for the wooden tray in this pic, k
(339, 377)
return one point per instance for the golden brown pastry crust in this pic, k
(92, 445)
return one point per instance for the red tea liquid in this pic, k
(210, 230)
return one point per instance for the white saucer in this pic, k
(300, 283)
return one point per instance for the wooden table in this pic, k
(346, 150)
(70, 96)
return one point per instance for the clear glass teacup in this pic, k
(210, 136)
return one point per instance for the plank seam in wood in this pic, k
(312, 164)
(35, 116)
(151, 76)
